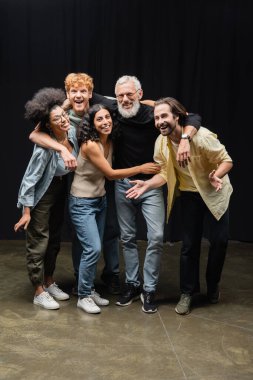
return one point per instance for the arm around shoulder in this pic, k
(148, 102)
(47, 142)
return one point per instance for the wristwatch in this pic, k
(185, 136)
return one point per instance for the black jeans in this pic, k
(194, 212)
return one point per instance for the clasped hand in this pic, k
(183, 153)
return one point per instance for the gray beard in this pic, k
(127, 113)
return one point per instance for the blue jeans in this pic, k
(110, 240)
(88, 217)
(152, 207)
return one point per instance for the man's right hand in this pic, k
(68, 158)
(138, 189)
(45, 141)
(66, 105)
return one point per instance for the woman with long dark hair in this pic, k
(87, 203)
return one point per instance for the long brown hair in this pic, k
(177, 109)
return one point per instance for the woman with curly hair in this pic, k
(42, 195)
(87, 203)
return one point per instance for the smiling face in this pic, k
(79, 96)
(165, 121)
(58, 121)
(79, 87)
(128, 98)
(103, 122)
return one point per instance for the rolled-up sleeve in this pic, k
(160, 155)
(33, 174)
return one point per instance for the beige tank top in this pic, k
(89, 181)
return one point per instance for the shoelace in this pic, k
(149, 298)
(185, 299)
(56, 287)
(47, 295)
(89, 299)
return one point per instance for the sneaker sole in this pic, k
(129, 302)
(149, 311)
(45, 307)
(146, 311)
(187, 312)
(59, 298)
(101, 304)
(89, 312)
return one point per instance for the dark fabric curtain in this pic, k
(196, 51)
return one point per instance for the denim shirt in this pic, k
(40, 172)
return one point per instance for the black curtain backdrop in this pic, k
(198, 51)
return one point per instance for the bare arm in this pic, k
(149, 102)
(141, 187)
(183, 153)
(45, 141)
(93, 153)
(192, 124)
(190, 130)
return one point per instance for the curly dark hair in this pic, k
(87, 130)
(39, 107)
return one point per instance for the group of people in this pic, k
(84, 143)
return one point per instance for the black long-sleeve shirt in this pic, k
(137, 135)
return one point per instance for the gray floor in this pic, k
(214, 342)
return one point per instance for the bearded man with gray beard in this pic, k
(135, 145)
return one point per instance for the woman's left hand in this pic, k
(22, 223)
(150, 168)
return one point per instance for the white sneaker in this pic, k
(98, 300)
(88, 305)
(56, 292)
(45, 300)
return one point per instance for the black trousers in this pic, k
(194, 212)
